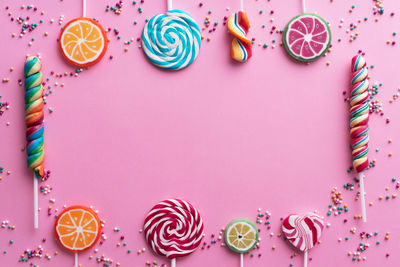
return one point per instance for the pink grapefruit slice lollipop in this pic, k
(307, 37)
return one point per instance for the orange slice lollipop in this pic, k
(77, 228)
(83, 42)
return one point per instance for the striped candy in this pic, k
(34, 115)
(173, 228)
(303, 231)
(172, 40)
(238, 26)
(359, 113)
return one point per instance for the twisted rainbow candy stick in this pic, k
(359, 116)
(238, 26)
(34, 115)
(34, 125)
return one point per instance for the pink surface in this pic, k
(229, 138)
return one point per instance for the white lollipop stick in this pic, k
(35, 202)
(169, 4)
(304, 6)
(84, 7)
(76, 260)
(362, 193)
(305, 258)
(241, 5)
(173, 261)
(241, 259)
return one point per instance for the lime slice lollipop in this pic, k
(307, 37)
(241, 236)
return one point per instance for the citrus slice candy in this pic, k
(307, 37)
(83, 42)
(77, 228)
(241, 236)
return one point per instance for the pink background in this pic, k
(230, 138)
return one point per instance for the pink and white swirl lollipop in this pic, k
(303, 231)
(173, 228)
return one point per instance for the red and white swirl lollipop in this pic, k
(303, 231)
(173, 228)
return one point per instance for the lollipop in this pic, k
(303, 232)
(307, 36)
(241, 236)
(172, 40)
(77, 229)
(83, 41)
(34, 124)
(359, 115)
(173, 228)
(238, 26)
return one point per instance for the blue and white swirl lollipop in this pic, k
(172, 40)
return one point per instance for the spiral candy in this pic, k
(172, 40)
(359, 114)
(34, 115)
(238, 26)
(173, 228)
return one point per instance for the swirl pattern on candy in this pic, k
(173, 228)
(34, 115)
(238, 26)
(172, 40)
(303, 231)
(359, 113)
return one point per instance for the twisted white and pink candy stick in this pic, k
(359, 116)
